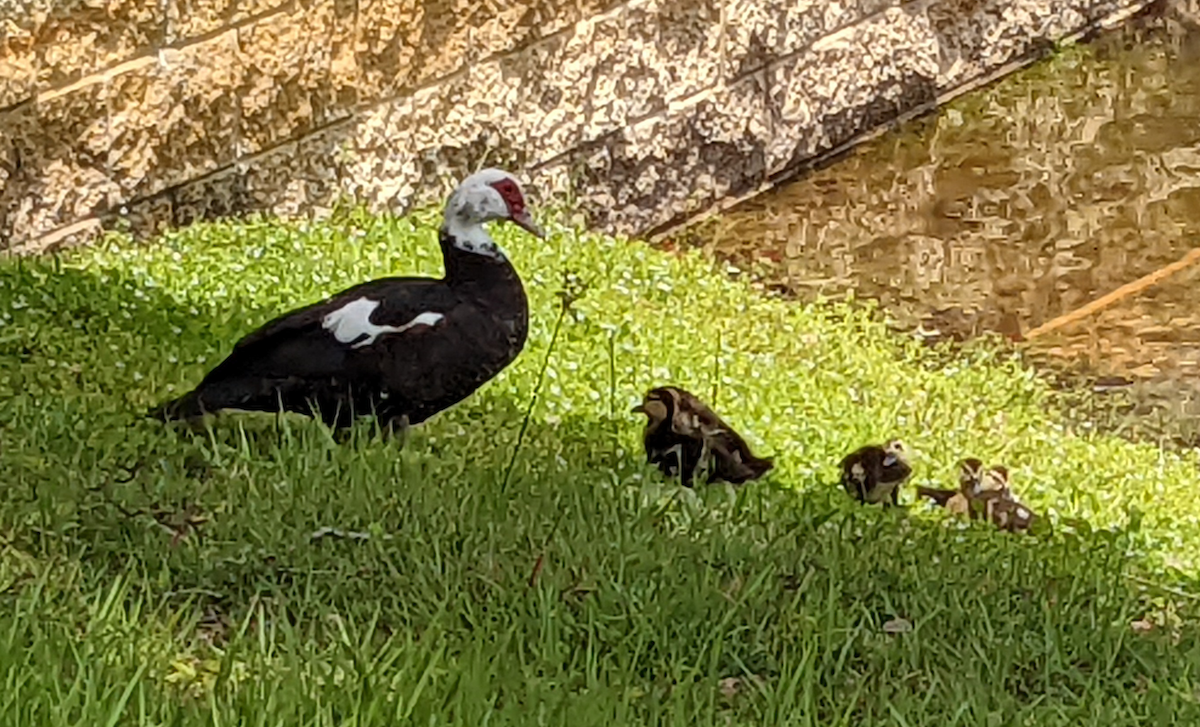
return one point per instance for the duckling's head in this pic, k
(969, 472)
(658, 405)
(893, 453)
(994, 480)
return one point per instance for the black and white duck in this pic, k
(873, 474)
(400, 349)
(685, 438)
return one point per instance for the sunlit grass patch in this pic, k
(583, 585)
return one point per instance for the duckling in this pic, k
(970, 473)
(874, 474)
(996, 503)
(983, 494)
(684, 437)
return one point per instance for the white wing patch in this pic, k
(351, 324)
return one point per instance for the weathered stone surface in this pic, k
(18, 62)
(978, 36)
(60, 145)
(216, 196)
(80, 37)
(535, 100)
(645, 110)
(816, 105)
(404, 43)
(247, 9)
(659, 52)
(174, 118)
(144, 218)
(285, 90)
(191, 18)
(677, 164)
(499, 26)
(343, 66)
(760, 32)
(299, 178)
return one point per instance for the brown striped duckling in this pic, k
(684, 438)
(996, 503)
(970, 476)
(874, 473)
(983, 495)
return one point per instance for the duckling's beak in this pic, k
(525, 221)
(639, 409)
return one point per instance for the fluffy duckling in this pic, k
(970, 473)
(983, 495)
(996, 503)
(874, 474)
(684, 437)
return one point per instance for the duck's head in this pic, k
(658, 405)
(894, 453)
(969, 472)
(995, 479)
(486, 195)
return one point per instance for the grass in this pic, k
(154, 575)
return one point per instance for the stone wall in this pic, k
(154, 113)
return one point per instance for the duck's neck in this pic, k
(471, 255)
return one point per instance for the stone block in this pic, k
(401, 44)
(18, 60)
(674, 165)
(285, 88)
(216, 196)
(58, 159)
(81, 37)
(979, 36)
(191, 18)
(175, 118)
(380, 166)
(535, 100)
(247, 9)
(143, 218)
(299, 178)
(760, 32)
(658, 52)
(500, 26)
(343, 66)
(850, 83)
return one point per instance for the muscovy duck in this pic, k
(873, 473)
(399, 348)
(686, 438)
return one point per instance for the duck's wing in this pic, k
(316, 343)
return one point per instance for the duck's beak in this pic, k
(525, 221)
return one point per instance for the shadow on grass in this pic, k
(585, 584)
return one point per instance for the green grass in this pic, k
(152, 575)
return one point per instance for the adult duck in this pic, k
(399, 348)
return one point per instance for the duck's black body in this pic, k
(685, 438)
(401, 349)
(873, 474)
